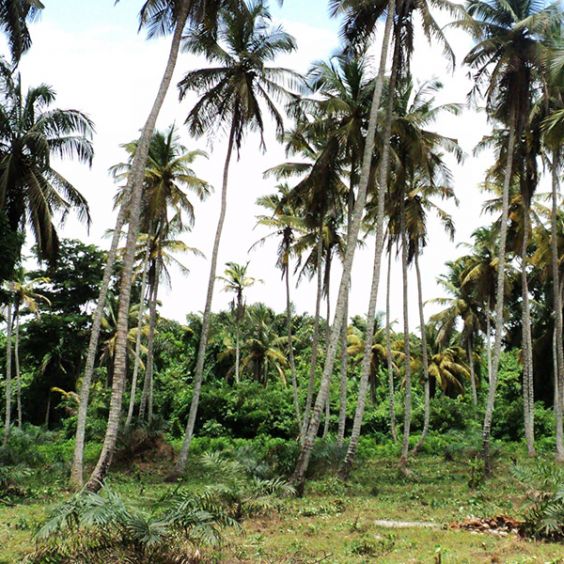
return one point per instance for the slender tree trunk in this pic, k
(291, 348)
(8, 385)
(76, 478)
(48, 410)
(135, 188)
(328, 334)
(199, 374)
(406, 343)
(17, 364)
(389, 359)
(237, 352)
(343, 379)
(500, 295)
(315, 337)
(489, 340)
(146, 399)
(527, 344)
(557, 298)
(472, 372)
(137, 361)
(425, 358)
(379, 242)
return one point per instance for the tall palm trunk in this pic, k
(146, 404)
(78, 464)
(199, 373)
(406, 343)
(500, 295)
(378, 248)
(291, 347)
(389, 359)
(8, 385)
(557, 298)
(17, 362)
(135, 187)
(472, 372)
(315, 336)
(343, 379)
(137, 361)
(237, 351)
(489, 340)
(527, 345)
(425, 359)
(328, 334)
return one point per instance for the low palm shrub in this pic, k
(93, 527)
(544, 485)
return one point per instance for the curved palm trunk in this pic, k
(135, 187)
(425, 358)
(343, 379)
(406, 343)
(500, 295)
(557, 298)
(146, 404)
(137, 361)
(315, 337)
(199, 374)
(78, 464)
(527, 345)
(378, 248)
(389, 359)
(472, 372)
(17, 364)
(291, 348)
(8, 386)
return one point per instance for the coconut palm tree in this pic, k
(169, 181)
(507, 59)
(14, 17)
(230, 92)
(319, 196)
(26, 296)
(159, 17)
(355, 224)
(32, 193)
(235, 280)
(262, 351)
(286, 223)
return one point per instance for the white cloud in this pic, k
(112, 74)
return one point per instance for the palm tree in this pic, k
(355, 223)
(262, 350)
(25, 295)
(168, 180)
(553, 133)
(285, 221)
(32, 193)
(507, 58)
(14, 17)
(8, 384)
(159, 17)
(319, 196)
(236, 281)
(163, 248)
(230, 94)
(462, 305)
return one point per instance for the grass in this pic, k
(333, 522)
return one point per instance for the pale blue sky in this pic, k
(89, 51)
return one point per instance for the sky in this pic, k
(92, 55)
